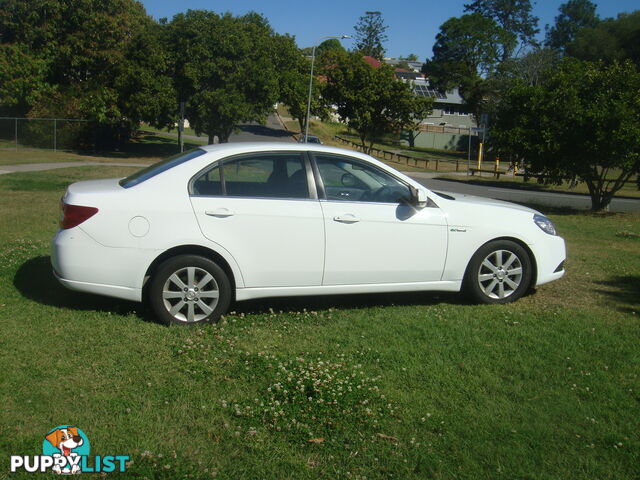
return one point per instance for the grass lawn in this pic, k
(426, 386)
(628, 190)
(145, 147)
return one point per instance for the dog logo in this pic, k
(67, 445)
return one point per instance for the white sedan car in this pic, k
(240, 221)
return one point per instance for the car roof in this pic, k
(247, 147)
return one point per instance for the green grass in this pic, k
(144, 148)
(546, 388)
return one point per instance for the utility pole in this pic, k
(181, 127)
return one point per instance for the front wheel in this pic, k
(499, 272)
(189, 289)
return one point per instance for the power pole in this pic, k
(181, 127)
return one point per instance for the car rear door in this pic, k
(263, 209)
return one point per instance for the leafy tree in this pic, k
(467, 50)
(327, 46)
(583, 123)
(514, 16)
(227, 69)
(532, 68)
(574, 15)
(23, 79)
(370, 35)
(611, 39)
(295, 70)
(105, 53)
(372, 101)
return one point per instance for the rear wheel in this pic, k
(499, 272)
(189, 289)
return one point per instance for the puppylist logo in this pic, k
(65, 451)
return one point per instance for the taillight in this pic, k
(74, 215)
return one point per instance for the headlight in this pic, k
(545, 224)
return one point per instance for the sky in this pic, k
(412, 25)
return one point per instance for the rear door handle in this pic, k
(346, 218)
(220, 213)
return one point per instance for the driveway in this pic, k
(271, 131)
(547, 199)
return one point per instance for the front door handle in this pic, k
(220, 213)
(346, 218)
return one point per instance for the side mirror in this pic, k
(419, 197)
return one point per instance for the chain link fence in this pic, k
(46, 133)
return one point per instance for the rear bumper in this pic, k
(126, 293)
(82, 264)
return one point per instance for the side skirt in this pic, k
(251, 293)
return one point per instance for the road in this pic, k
(271, 131)
(548, 199)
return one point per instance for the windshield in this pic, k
(161, 166)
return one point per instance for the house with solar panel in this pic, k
(450, 123)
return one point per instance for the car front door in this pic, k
(373, 236)
(261, 209)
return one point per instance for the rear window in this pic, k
(161, 166)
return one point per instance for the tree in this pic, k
(514, 16)
(467, 50)
(370, 35)
(102, 58)
(611, 39)
(583, 123)
(227, 69)
(327, 46)
(295, 70)
(574, 16)
(23, 79)
(372, 101)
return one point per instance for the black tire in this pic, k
(173, 305)
(504, 278)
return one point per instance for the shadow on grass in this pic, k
(35, 281)
(625, 290)
(350, 301)
(146, 145)
(264, 131)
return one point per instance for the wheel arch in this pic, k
(190, 250)
(532, 257)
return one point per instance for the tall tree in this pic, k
(467, 50)
(582, 123)
(611, 39)
(294, 70)
(574, 15)
(512, 15)
(372, 101)
(227, 69)
(103, 59)
(370, 35)
(327, 46)
(23, 79)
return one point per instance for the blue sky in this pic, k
(413, 25)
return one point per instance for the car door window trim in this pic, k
(312, 193)
(322, 195)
